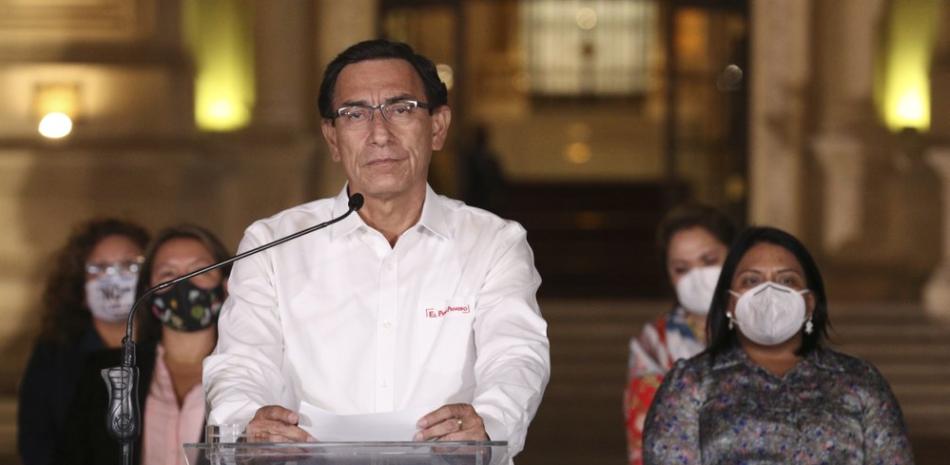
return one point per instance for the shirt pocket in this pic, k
(446, 326)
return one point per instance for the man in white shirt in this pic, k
(419, 301)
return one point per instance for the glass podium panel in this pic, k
(348, 453)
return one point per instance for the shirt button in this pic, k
(384, 385)
(387, 325)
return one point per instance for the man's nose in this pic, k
(379, 128)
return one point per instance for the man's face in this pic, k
(385, 160)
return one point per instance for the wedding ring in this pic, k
(459, 422)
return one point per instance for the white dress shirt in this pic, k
(340, 319)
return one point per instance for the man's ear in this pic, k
(441, 118)
(329, 134)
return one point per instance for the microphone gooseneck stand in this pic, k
(123, 419)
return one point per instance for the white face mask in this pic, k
(770, 313)
(695, 289)
(110, 297)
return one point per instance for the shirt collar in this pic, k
(433, 215)
(341, 203)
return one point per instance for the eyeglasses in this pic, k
(396, 112)
(125, 267)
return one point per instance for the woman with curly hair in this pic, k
(85, 302)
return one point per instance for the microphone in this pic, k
(123, 419)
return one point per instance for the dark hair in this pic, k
(720, 338)
(377, 49)
(65, 314)
(150, 328)
(689, 216)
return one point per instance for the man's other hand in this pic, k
(273, 423)
(453, 422)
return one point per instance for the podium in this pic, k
(349, 453)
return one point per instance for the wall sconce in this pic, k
(57, 107)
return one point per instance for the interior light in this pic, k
(56, 106)
(219, 36)
(55, 125)
(903, 94)
(911, 108)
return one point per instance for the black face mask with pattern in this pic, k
(186, 307)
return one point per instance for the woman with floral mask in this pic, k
(177, 330)
(693, 240)
(767, 390)
(85, 302)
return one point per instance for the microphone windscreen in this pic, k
(356, 201)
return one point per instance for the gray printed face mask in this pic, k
(109, 297)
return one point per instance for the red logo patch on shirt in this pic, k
(439, 313)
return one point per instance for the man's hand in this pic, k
(273, 423)
(453, 422)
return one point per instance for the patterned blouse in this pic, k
(652, 354)
(830, 408)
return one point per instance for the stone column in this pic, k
(842, 161)
(280, 60)
(339, 25)
(936, 292)
(936, 295)
(781, 63)
(846, 28)
(940, 80)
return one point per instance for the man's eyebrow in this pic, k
(400, 97)
(354, 103)
(364, 103)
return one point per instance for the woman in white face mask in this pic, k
(87, 294)
(693, 241)
(766, 390)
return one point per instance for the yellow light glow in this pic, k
(912, 106)
(578, 153)
(904, 92)
(55, 125)
(223, 110)
(58, 97)
(219, 36)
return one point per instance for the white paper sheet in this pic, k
(391, 426)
